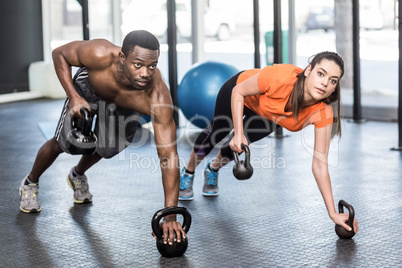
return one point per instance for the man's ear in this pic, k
(122, 57)
(308, 70)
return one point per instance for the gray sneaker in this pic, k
(79, 184)
(29, 197)
(186, 186)
(210, 182)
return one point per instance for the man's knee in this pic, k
(108, 153)
(54, 146)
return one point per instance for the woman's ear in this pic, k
(307, 71)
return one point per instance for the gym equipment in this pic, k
(341, 231)
(242, 169)
(198, 89)
(145, 119)
(81, 139)
(176, 249)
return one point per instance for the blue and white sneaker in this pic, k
(186, 186)
(210, 182)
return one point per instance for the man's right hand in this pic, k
(75, 106)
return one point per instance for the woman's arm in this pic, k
(321, 174)
(248, 87)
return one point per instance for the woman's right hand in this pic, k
(237, 141)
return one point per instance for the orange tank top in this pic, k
(276, 84)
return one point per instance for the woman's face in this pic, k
(321, 81)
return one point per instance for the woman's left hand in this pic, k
(342, 218)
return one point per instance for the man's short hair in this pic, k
(139, 38)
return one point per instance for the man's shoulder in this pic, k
(101, 42)
(159, 90)
(103, 47)
(101, 54)
(158, 82)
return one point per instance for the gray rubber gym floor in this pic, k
(275, 219)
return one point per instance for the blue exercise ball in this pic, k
(198, 89)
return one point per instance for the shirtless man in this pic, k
(119, 84)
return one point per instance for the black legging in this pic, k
(255, 126)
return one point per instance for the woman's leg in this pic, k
(219, 161)
(255, 128)
(193, 161)
(219, 127)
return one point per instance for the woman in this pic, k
(262, 99)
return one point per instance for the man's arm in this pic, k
(165, 137)
(92, 54)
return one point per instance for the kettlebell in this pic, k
(81, 139)
(176, 249)
(341, 231)
(242, 169)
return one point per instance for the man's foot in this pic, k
(29, 196)
(210, 181)
(79, 184)
(186, 186)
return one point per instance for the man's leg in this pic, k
(78, 181)
(29, 186)
(86, 162)
(44, 159)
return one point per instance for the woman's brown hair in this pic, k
(334, 100)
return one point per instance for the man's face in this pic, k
(140, 66)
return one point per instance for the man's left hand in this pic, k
(171, 228)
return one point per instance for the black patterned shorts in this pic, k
(114, 126)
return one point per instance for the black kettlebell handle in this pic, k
(169, 211)
(87, 121)
(87, 118)
(247, 152)
(341, 204)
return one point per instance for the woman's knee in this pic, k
(227, 153)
